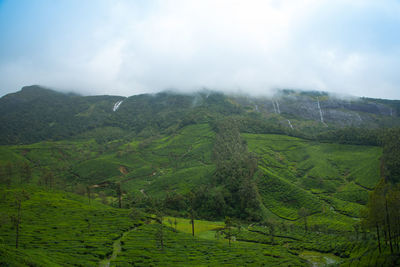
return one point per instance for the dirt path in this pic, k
(116, 250)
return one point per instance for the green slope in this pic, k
(294, 172)
(58, 228)
(330, 180)
(300, 173)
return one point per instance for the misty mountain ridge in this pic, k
(36, 113)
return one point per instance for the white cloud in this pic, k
(254, 46)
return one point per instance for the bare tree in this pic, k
(16, 219)
(304, 213)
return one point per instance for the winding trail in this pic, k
(116, 249)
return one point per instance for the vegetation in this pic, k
(202, 179)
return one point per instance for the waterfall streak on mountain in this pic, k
(290, 124)
(116, 105)
(277, 105)
(320, 111)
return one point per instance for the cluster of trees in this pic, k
(235, 171)
(351, 136)
(383, 214)
(22, 172)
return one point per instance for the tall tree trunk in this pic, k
(88, 193)
(397, 234)
(192, 221)
(379, 239)
(388, 223)
(17, 224)
(230, 236)
(385, 233)
(162, 237)
(119, 193)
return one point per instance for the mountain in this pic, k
(36, 114)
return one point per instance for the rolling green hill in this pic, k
(295, 187)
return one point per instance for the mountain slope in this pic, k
(36, 114)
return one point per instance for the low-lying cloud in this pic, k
(131, 47)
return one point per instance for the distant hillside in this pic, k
(36, 114)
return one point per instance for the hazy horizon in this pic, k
(254, 47)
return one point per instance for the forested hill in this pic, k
(36, 114)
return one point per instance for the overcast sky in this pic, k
(132, 47)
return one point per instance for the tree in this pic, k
(303, 214)
(4, 177)
(103, 197)
(135, 214)
(16, 219)
(191, 198)
(270, 223)
(171, 223)
(47, 178)
(119, 194)
(383, 214)
(356, 230)
(390, 168)
(26, 172)
(228, 229)
(160, 230)
(176, 225)
(88, 193)
(8, 173)
(235, 168)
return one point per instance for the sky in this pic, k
(248, 46)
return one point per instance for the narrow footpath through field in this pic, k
(116, 250)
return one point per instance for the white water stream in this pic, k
(116, 105)
(290, 124)
(277, 105)
(320, 112)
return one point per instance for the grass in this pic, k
(204, 229)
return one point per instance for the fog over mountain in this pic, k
(131, 47)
